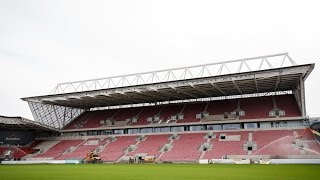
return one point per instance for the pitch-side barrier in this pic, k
(261, 161)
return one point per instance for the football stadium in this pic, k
(243, 119)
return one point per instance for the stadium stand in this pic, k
(288, 104)
(312, 148)
(127, 114)
(304, 134)
(97, 116)
(256, 108)
(190, 111)
(45, 145)
(117, 148)
(18, 152)
(255, 113)
(81, 121)
(148, 112)
(169, 113)
(185, 148)
(59, 148)
(275, 142)
(229, 143)
(151, 145)
(89, 145)
(222, 107)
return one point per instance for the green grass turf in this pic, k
(159, 171)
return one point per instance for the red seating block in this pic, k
(151, 145)
(186, 148)
(59, 148)
(116, 149)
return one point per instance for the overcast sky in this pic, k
(43, 43)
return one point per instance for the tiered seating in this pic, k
(45, 144)
(115, 149)
(34, 143)
(305, 134)
(190, 111)
(170, 110)
(80, 121)
(222, 106)
(94, 121)
(151, 145)
(223, 148)
(82, 150)
(127, 113)
(186, 148)
(21, 151)
(289, 104)
(282, 146)
(91, 119)
(59, 148)
(275, 142)
(18, 152)
(147, 112)
(256, 108)
(2, 150)
(314, 148)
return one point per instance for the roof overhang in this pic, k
(270, 80)
(315, 123)
(23, 123)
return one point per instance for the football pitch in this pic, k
(159, 171)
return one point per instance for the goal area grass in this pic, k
(158, 171)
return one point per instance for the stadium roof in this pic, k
(23, 123)
(272, 78)
(264, 74)
(315, 123)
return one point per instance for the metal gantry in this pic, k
(176, 74)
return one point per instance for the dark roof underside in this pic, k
(280, 79)
(23, 123)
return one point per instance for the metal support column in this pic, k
(302, 97)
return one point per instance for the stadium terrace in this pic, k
(250, 110)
